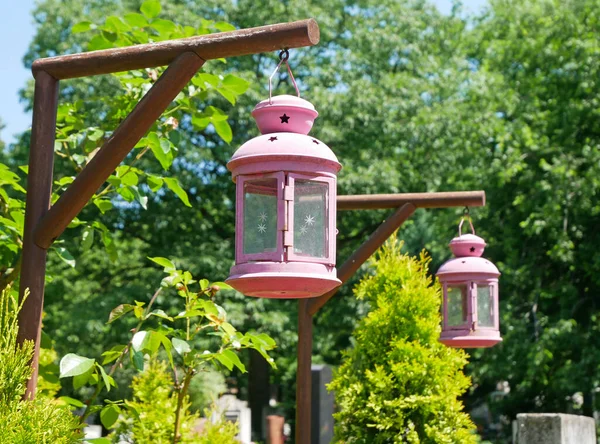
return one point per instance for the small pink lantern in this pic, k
(285, 205)
(470, 317)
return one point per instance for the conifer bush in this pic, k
(41, 421)
(399, 384)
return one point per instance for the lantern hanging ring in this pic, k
(284, 55)
(466, 216)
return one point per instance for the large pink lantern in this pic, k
(470, 317)
(285, 205)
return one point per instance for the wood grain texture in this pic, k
(303, 374)
(39, 188)
(212, 46)
(364, 252)
(115, 149)
(419, 200)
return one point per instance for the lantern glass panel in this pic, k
(457, 305)
(260, 216)
(310, 218)
(485, 305)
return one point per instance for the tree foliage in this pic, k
(398, 383)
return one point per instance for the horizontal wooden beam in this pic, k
(211, 46)
(364, 252)
(419, 200)
(115, 149)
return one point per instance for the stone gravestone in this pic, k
(555, 428)
(322, 404)
(236, 410)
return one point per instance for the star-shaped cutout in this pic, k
(315, 141)
(262, 228)
(472, 249)
(272, 139)
(263, 217)
(284, 118)
(309, 220)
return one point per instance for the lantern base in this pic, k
(476, 339)
(283, 280)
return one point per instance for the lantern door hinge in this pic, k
(288, 197)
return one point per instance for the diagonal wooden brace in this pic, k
(115, 149)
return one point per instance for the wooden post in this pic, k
(39, 189)
(303, 375)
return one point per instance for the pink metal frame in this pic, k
(240, 256)
(471, 322)
(330, 202)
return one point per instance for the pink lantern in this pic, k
(285, 205)
(470, 317)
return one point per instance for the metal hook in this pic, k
(467, 216)
(284, 55)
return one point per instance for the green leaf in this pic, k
(94, 134)
(81, 27)
(224, 26)
(105, 377)
(173, 185)
(224, 360)
(223, 130)
(165, 158)
(72, 365)
(235, 84)
(163, 26)
(119, 311)
(235, 359)
(87, 238)
(228, 328)
(181, 346)
(109, 245)
(135, 19)
(112, 354)
(81, 380)
(160, 314)
(146, 341)
(65, 256)
(138, 361)
(203, 284)
(223, 286)
(103, 205)
(116, 24)
(151, 8)
(164, 262)
(72, 401)
(109, 415)
(154, 182)
(230, 96)
(96, 43)
(202, 79)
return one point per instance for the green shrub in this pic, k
(150, 415)
(399, 384)
(41, 421)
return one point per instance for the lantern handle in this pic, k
(467, 216)
(284, 55)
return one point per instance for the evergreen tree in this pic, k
(398, 383)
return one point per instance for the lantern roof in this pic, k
(284, 145)
(468, 249)
(466, 267)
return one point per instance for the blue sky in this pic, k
(16, 32)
